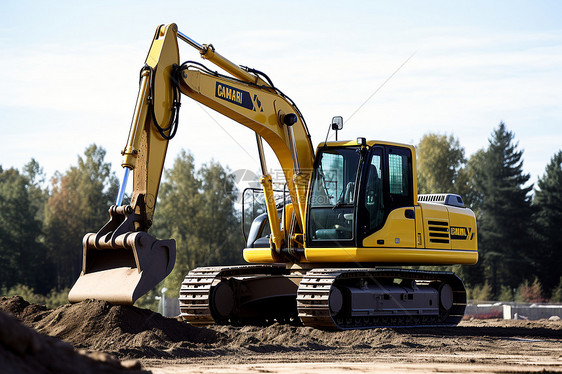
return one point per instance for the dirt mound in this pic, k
(22, 310)
(22, 350)
(126, 331)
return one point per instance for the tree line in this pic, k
(42, 224)
(518, 223)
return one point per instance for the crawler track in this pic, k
(313, 299)
(198, 297)
(196, 292)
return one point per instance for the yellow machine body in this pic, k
(439, 235)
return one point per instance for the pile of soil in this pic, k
(22, 350)
(125, 331)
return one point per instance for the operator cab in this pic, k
(355, 185)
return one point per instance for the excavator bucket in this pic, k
(119, 264)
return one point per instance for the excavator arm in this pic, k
(122, 261)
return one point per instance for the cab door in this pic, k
(386, 214)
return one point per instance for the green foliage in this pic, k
(556, 296)
(52, 300)
(24, 291)
(442, 167)
(504, 211)
(196, 208)
(56, 298)
(473, 174)
(176, 215)
(41, 231)
(530, 293)
(506, 294)
(149, 301)
(480, 292)
(21, 252)
(546, 254)
(220, 233)
(440, 159)
(37, 194)
(78, 205)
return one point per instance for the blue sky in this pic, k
(70, 72)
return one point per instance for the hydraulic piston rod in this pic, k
(208, 53)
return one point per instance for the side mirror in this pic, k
(337, 123)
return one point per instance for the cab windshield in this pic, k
(332, 202)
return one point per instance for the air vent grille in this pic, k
(442, 198)
(438, 231)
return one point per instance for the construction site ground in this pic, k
(95, 336)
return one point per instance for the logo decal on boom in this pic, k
(239, 97)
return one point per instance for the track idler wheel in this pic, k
(336, 300)
(223, 299)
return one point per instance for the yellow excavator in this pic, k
(327, 257)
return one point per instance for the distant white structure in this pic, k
(511, 310)
(531, 312)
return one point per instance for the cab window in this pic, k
(399, 177)
(387, 186)
(332, 201)
(374, 198)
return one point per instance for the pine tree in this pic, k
(548, 221)
(504, 214)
